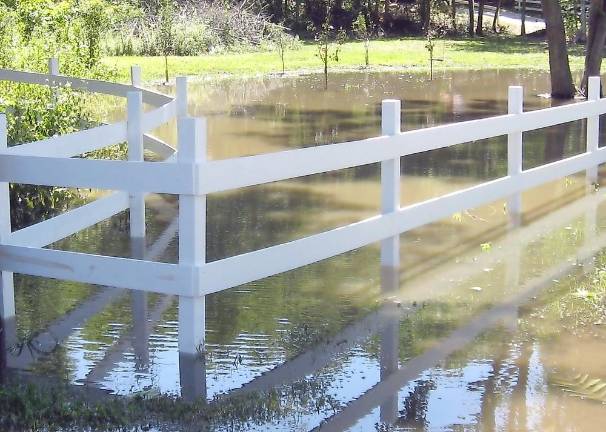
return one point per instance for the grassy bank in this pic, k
(407, 53)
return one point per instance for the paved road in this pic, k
(507, 18)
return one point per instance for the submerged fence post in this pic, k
(192, 237)
(135, 76)
(135, 154)
(181, 93)
(390, 181)
(7, 289)
(515, 105)
(593, 128)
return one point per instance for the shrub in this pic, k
(198, 28)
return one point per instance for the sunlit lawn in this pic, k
(406, 53)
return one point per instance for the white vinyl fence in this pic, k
(187, 173)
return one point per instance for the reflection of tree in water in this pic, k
(414, 412)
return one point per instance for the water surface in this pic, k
(344, 344)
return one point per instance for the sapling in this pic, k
(360, 29)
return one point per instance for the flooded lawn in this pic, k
(485, 327)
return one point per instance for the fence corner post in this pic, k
(7, 289)
(390, 181)
(135, 75)
(192, 237)
(593, 129)
(135, 154)
(515, 105)
(181, 96)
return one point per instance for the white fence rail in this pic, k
(188, 174)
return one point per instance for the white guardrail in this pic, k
(187, 173)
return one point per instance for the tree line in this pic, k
(382, 17)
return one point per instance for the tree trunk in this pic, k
(495, 19)
(581, 36)
(523, 19)
(595, 41)
(479, 27)
(562, 86)
(425, 14)
(453, 16)
(471, 7)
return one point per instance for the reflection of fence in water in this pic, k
(188, 174)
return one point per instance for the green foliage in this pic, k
(571, 17)
(31, 32)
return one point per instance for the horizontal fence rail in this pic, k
(57, 161)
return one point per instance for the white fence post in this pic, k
(515, 105)
(181, 95)
(135, 76)
(53, 69)
(135, 153)
(192, 236)
(7, 289)
(390, 181)
(53, 66)
(593, 128)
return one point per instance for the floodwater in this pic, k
(471, 334)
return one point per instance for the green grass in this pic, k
(407, 54)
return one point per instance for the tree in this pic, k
(425, 10)
(562, 86)
(480, 26)
(495, 19)
(361, 31)
(595, 41)
(471, 8)
(167, 20)
(523, 18)
(282, 42)
(329, 42)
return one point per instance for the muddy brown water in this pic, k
(467, 337)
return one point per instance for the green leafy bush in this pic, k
(30, 32)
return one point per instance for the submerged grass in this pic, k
(38, 407)
(403, 54)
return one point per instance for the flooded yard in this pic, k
(486, 326)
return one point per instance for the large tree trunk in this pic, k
(479, 27)
(595, 41)
(453, 16)
(562, 86)
(523, 18)
(495, 19)
(581, 36)
(471, 8)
